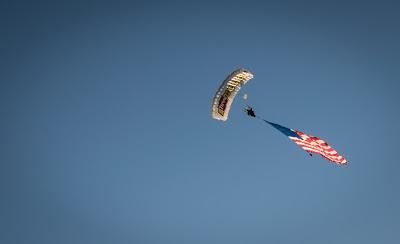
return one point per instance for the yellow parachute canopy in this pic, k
(226, 93)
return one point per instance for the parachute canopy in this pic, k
(226, 93)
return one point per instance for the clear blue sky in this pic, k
(106, 135)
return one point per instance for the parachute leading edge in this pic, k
(226, 93)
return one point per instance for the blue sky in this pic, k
(107, 135)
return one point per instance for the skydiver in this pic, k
(250, 112)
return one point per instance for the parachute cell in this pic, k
(226, 93)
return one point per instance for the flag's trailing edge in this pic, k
(311, 144)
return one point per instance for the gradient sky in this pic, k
(107, 138)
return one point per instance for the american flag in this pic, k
(311, 144)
